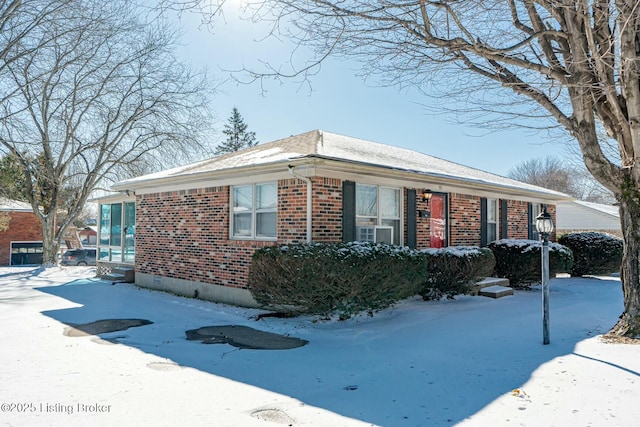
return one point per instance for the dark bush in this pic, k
(334, 278)
(593, 253)
(452, 270)
(520, 260)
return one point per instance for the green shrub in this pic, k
(520, 260)
(594, 253)
(452, 270)
(345, 279)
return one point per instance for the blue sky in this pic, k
(340, 102)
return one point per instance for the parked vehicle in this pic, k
(79, 257)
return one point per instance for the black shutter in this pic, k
(412, 222)
(530, 221)
(348, 211)
(504, 224)
(483, 221)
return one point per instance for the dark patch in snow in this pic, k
(244, 337)
(103, 326)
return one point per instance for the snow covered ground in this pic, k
(418, 364)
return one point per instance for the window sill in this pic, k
(257, 239)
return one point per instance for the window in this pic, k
(116, 224)
(534, 209)
(117, 221)
(105, 224)
(255, 210)
(129, 231)
(377, 214)
(492, 220)
(489, 221)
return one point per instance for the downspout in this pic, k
(309, 195)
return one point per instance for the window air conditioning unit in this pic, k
(375, 234)
(383, 234)
(365, 234)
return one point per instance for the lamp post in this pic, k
(544, 225)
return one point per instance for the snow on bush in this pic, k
(519, 260)
(594, 253)
(337, 278)
(452, 270)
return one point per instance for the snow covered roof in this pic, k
(579, 215)
(606, 209)
(13, 205)
(320, 144)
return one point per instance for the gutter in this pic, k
(309, 195)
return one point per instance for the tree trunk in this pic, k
(629, 323)
(50, 243)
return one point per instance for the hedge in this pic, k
(594, 253)
(341, 278)
(520, 260)
(452, 270)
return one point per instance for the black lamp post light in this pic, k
(544, 225)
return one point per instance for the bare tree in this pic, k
(90, 92)
(555, 174)
(572, 65)
(549, 172)
(19, 20)
(590, 190)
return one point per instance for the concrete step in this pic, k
(113, 277)
(493, 281)
(492, 287)
(495, 291)
(121, 274)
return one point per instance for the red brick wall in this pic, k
(464, 220)
(292, 211)
(551, 209)
(517, 220)
(423, 238)
(23, 226)
(327, 210)
(185, 234)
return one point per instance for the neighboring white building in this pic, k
(585, 216)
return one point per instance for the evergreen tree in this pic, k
(12, 179)
(237, 136)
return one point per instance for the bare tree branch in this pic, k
(92, 92)
(569, 64)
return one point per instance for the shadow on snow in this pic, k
(431, 364)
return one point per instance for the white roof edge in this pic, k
(611, 210)
(14, 205)
(529, 188)
(341, 149)
(134, 183)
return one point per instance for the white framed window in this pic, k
(117, 232)
(378, 214)
(492, 220)
(535, 209)
(254, 211)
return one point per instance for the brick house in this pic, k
(20, 234)
(192, 230)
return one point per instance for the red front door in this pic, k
(438, 221)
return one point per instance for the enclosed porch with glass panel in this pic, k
(116, 234)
